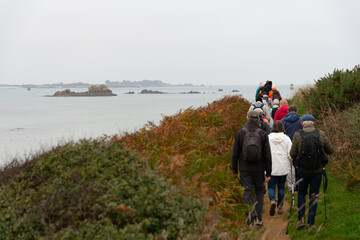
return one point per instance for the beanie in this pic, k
(308, 117)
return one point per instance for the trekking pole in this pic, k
(292, 202)
(230, 168)
(325, 183)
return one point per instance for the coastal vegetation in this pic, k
(335, 101)
(93, 189)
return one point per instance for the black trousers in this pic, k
(253, 182)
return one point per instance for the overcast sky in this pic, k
(211, 42)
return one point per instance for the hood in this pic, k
(277, 138)
(274, 89)
(283, 109)
(257, 104)
(291, 118)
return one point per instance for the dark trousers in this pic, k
(314, 181)
(253, 181)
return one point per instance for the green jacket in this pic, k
(296, 147)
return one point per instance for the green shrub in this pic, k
(336, 91)
(94, 189)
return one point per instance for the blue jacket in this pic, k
(292, 123)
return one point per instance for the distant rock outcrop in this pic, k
(191, 92)
(145, 91)
(93, 91)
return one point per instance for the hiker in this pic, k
(292, 123)
(280, 145)
(251, 156)
(258, 90)
(275, 94)
(267, 99)
(282, 111)
(259, 103)
(268, 86)
(309, 149)
(264, 123)
(275, 108)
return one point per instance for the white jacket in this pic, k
(280, 145)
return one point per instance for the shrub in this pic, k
(336, 91)
(94, 189)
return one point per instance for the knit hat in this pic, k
(276, 101)
(253, 114)
(308, 117)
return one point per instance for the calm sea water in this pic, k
(30, 122)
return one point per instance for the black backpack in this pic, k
(276, 95)
(273, 112)
(252, 148)
(311, 154)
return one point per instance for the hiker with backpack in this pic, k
(292, 123)
(258, 90)
(309, 149)
(268, 86)
(267, 99)
(264, 123)
(275, 108)
(280, 145)
(260, 104)
(251, 156)
(282, 111)
(275, 94)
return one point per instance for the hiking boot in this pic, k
(250, 223)
(300, 224)
(258, 222)
(311, 227)
(272, 207)
(280, 210)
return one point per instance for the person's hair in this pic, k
(293, 108)
(259, 95)
(258, 99)
(278, 126)
(307, 123)
(283, 102)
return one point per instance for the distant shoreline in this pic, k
(110, 84)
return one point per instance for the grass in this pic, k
(342, 208)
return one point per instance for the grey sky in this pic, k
(211, 42)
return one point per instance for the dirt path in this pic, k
(275, 226)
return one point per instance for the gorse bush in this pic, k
(94, 189)
(336, 91)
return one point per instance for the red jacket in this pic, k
(280, 113)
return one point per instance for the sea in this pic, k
(30, 122)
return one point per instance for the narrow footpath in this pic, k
(275, 226)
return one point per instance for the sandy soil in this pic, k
(275, 226)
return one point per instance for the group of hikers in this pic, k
(276, 146)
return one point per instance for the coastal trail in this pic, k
(275, 226)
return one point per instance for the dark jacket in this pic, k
(264, 126)
(292, 123)
(238, 163)
(296, 147)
